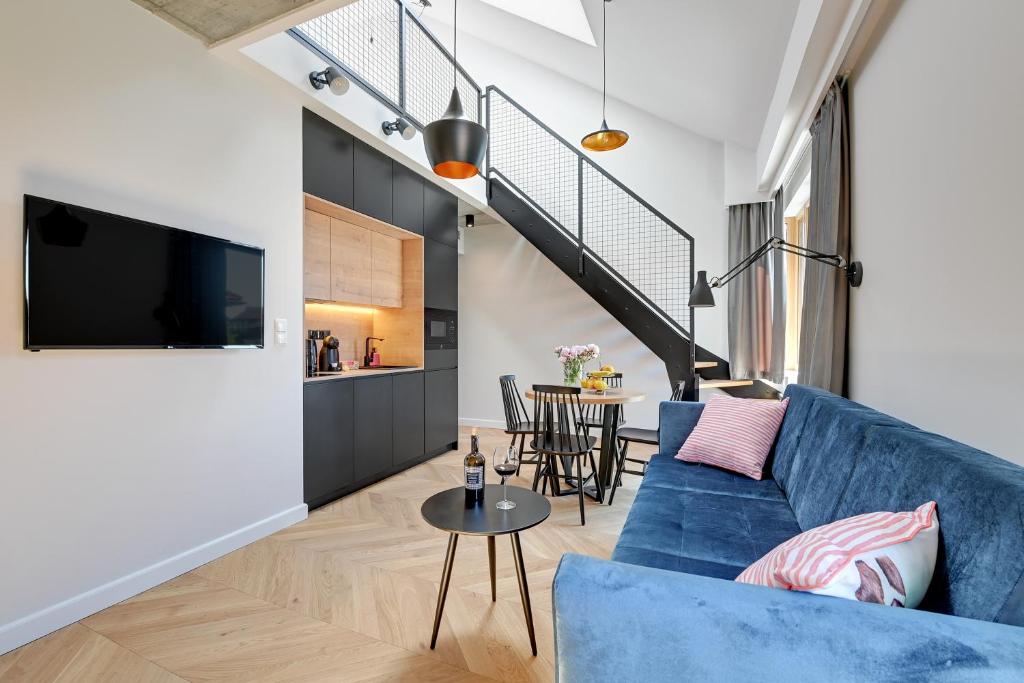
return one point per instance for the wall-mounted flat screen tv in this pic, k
(96, 280)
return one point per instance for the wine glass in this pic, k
(505, 462)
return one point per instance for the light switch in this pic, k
(281, 331)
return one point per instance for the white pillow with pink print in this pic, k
(882, 557)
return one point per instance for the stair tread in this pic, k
(705, 364)
(723, 383)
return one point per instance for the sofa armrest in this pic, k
(621, 622)
(676, 419)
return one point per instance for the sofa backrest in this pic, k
(835, 458)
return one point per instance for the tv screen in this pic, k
(96, 280)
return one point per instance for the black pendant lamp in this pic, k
(455, 145)
(604, 139)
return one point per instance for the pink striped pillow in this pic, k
(882, 557)
(735, 434)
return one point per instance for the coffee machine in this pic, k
(330, 359)
(312, 352)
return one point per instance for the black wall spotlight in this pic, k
(470, 220)
(400, 126)
(332, 78)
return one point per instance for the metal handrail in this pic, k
(584, 249)
(398, 107)
(586, 159)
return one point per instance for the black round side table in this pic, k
(448, 511)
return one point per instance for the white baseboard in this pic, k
(59, 615)
(475, 422)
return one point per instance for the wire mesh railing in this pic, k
(638, 245)
(383, 46)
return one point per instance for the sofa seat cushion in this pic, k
(664, 471)
(684, 520)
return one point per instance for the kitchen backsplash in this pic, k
(350, 324)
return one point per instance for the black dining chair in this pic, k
(517, 419)
(628, 435)
(558, 433)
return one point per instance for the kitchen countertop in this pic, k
(352, 374)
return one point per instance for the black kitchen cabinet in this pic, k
(441, 410)
(440, 359)
(408, 417)
(407, 199)
(327, 440)
(327, 160)
(374, 420)
(440, 215)
(373, 182)
(440, 276)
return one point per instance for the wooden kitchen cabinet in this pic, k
(386, 276)
(316, 256)
(351, 263)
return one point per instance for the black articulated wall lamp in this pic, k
(702, 297)
(455, 145)
(603, 139)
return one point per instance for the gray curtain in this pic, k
(823, 323)
(757, 306)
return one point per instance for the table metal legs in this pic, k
(490, 561)
(524, 590)
(608, 444)
(446, 577)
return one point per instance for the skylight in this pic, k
(563, 16)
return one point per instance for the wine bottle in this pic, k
(475, 466)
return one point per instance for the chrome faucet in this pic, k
(366, 351)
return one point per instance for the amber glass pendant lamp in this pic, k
(604, 139)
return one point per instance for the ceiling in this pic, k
(212, 21)
(707, 65)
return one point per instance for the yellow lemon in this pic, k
(599, 385)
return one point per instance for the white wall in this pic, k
(741, 177)
(515, 306)
(117, 462)
(937, 328)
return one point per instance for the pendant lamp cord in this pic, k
(455, 48)
(604, 59)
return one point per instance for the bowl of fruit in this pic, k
(597, 381)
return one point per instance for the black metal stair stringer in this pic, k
(655, 333)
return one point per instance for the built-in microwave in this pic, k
(441, 329)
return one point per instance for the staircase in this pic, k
(620, 250)
(627, 256)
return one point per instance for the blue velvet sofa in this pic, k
(666, 608)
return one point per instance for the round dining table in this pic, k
(612, 400)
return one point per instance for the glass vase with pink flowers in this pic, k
(573, 358)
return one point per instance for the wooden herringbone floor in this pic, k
(347, 595)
